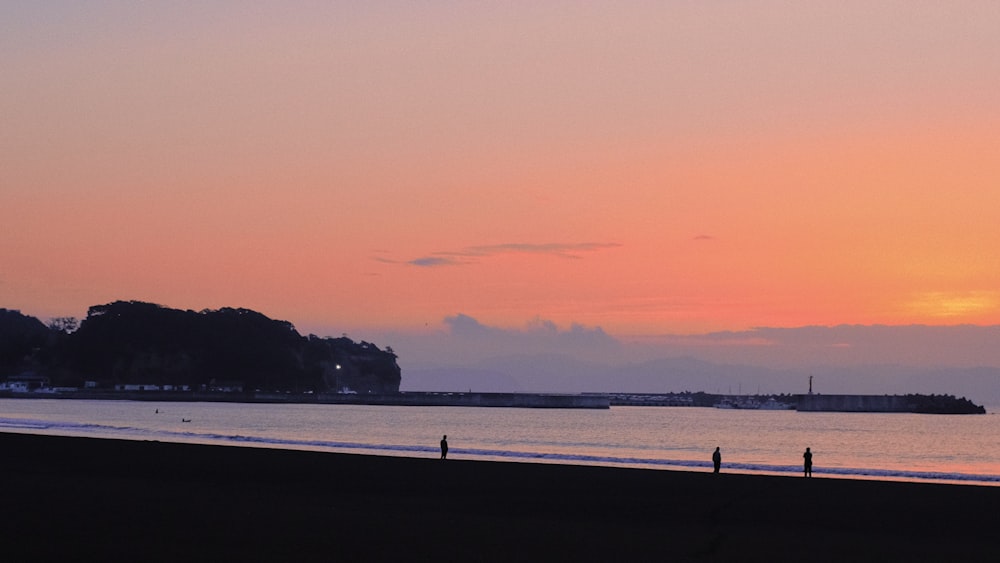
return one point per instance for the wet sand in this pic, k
(111, 500)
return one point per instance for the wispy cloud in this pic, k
(470, 254)
(432, 261)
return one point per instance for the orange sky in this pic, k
(649, 168)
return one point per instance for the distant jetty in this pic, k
(411, 399)
(514, 400)
(911, 403)
(929, 404)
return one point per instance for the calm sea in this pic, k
(938, 448)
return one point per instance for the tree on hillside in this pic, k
(22, 341)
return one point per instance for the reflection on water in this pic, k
(894, 446)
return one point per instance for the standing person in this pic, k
(808, 463)
(717, 459)
(444, 446)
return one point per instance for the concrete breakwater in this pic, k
(854, 403)
(914, 403)
(419, 399)
(516, 400)
(939, 404)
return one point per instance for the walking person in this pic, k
(444, 446)
(808, 463)
(717, 459)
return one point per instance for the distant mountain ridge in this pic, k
(133, 342)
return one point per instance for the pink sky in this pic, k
(650, 168)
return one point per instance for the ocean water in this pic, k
(908, 447)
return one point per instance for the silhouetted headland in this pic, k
(133, 346)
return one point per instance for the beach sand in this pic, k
(70, 499)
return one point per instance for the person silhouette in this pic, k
(808, 463)
(717, 459)
(444, 446)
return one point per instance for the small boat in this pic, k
(744, 403)
(772, 404)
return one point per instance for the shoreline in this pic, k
(118, 500)
(690, 466)
(803, 403)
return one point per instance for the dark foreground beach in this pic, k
(75, 499)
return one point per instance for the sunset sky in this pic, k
(649, 168)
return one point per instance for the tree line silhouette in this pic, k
(144, 343)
